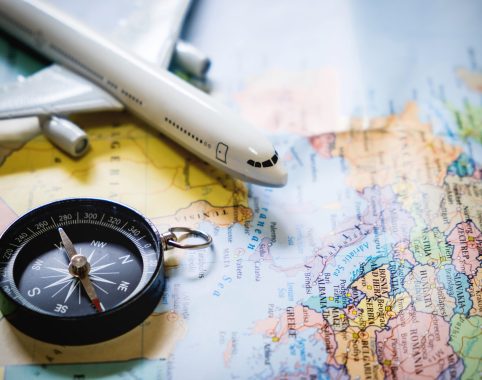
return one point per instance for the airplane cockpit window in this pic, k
(265, 164)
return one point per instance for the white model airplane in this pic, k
(93, 73)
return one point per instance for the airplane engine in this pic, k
(190, 59)
(65, 135)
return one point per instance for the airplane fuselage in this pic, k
(185, 114)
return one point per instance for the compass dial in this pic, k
(42, 278)
(80, 270)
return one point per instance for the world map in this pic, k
(367, 265)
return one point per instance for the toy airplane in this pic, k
(93, 74)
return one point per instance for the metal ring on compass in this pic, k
(187, 233)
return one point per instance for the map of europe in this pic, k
(367, 265)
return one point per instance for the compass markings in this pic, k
(126, 259)
(100, 279)
(73, 285)
(62, 288)
(93, 264)
(97, 286)
(53, 276)
(89, 259)
(60, 281)
(94, 270)
(63, 279)
(60, 270)
(42, 231)
(60, 262)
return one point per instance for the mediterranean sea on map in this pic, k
(367, 265)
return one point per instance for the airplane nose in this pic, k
(275, 176)
(280, 178)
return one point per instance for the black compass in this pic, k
(81, 271)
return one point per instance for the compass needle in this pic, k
(89, 288)
(80, 267)
(69, 247)
(105, 277)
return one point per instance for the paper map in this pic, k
(367, 265)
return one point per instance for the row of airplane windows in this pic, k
(131, 97)
(192, 135)
(265, 164)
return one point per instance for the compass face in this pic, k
(42, 279)
(119, 278)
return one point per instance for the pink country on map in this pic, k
(323, 144)
(415, 346)
(296, 319)
(306, 103)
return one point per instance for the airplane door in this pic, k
(221, 152)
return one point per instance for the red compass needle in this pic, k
(79, 267)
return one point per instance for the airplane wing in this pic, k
(52, 91)
(148, 28)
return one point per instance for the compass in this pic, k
(80, 271)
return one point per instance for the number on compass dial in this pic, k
(44, 280)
